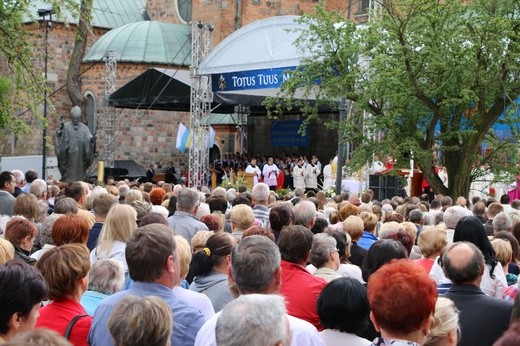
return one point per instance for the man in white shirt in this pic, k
(311, 175)
(270, 173)
(255, 268)
(254, 169)
(299, 175)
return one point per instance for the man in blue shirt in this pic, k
(154, 267)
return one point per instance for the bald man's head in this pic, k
(463, 263)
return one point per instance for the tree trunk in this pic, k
(74, 85)
(459, 166)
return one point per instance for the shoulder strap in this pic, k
(71, 324)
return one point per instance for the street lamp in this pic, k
(46, 22)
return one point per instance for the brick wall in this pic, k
(149, 136)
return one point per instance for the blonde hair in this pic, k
(390, 226)
(432, 239)
(119, 226)
(445, 319)
(369, 220)
(353, 225)
(411, 229)
(242, 217)
(133, 195)
(503, 250)
(111, 189)
(6, 251)
(184, 254)
(198, 241)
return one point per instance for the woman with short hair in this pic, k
(325, 257)
(21, 233)
(242, 217)
(406, 320)
(22, 289)
(343, 310)
(381, 252)
(106, 277)
(69, 228)
(65, 269)
(431, 241)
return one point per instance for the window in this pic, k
(91, 112)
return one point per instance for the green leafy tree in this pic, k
(21, 84)
(430, 74)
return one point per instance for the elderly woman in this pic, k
(343, 242)
(141, 321)
(66, 205)
(407, 320)
(343, 309)
(133, 195)
(21, 233)
(504, 253)
(106, 277)
(432, 240)
(118, 227)
(22, 289)
(325, 256)
(445, 326)
(70, 228)
(242, 217)
(354, 226)
(210, 268)
(65, 270)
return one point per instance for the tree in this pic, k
(74, 89)
(430, 73)
(21, 86)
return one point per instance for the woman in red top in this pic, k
(65, 270)
(431, 241)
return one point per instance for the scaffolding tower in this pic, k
(109, 112)
(200, 106)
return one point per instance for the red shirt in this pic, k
(301, 290)
(426, 263)
(57, 315)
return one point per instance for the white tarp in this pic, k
(264, 44)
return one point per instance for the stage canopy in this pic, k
(246, 67)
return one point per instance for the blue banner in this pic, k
(285, 134)
(250, 80)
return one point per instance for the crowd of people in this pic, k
(156, 264)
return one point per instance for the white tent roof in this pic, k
(264, 44)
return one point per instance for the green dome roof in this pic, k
(149, 42)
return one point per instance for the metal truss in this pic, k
(109, 112)
(200, 105)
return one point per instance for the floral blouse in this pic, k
(393, 342)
